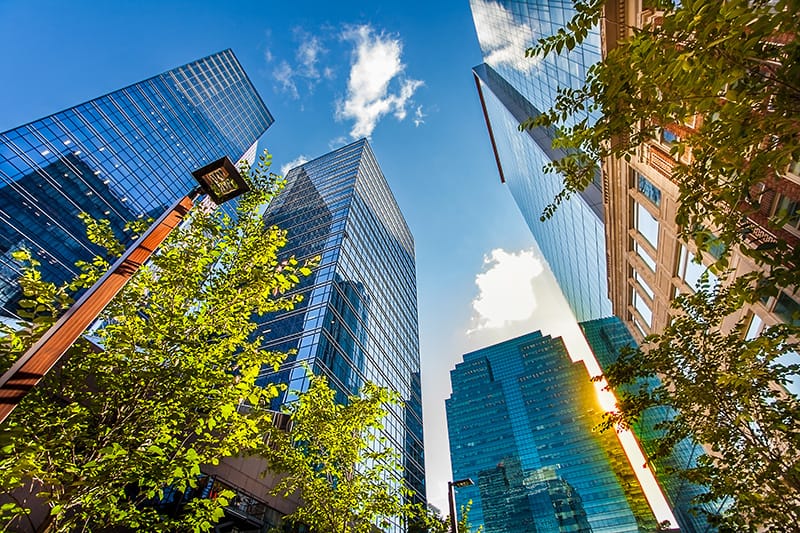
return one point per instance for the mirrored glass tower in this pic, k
(358, 318)
(521, 422)
(607, 336)
(121, 156)
(513, 88)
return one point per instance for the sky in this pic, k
(332, 72)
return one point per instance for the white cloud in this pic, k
(419, 116)
(376, 63)
(268, 57)
(337, 142)
(503, 47)
(284, 75)
(296, 162)
(506, 288)
(308, 56)
(305, 70)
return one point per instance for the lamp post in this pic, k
(452, 498)
(220, 180)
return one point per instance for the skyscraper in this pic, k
(606, 337)
(358, 318)
(520, 421)
(513, 88)
(121, 156)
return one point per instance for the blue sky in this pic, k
(330, 72)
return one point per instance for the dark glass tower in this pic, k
(124, 155)
(606, 337)
(513, 88)
(520, 421)
(358, 317)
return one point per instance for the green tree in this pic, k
(425, 520)
(723, 390)
(734, 66)
(346, 476)
(463, 525)
(134, 411)
(435, 523)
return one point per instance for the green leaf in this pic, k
(178, 354)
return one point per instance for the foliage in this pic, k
(722, 389)
(463, 525)
(347, 478)
(439, 524)
(724, 78)
(426, 520)
(735, 64)
(154, 393)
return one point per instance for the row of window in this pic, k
(690, 273)
(689, 270)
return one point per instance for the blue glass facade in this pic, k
(520, 421)
(606, 337)
(121, 156)
(506, 28)
(358, 317)
(511, 89)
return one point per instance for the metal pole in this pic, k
(46, 352)
(452, 497)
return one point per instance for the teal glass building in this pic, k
(606, 337)
(357, 321)
(121, 156)
(513, 88)
(520, 421)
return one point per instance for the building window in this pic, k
(754, 328)
(787, 211)
(791, 358)
(645, 256)
(642, 308)
(690, 271)
(650, 191)
(787, 309)
(794, 167)
(643, 284)
(646, 225)
(635, 320)
(667, 137)
(716, 247)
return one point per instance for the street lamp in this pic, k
(220, 180)
(452, 497)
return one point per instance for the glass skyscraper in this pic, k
(121, 156)
(520, 421)
(513, 88)
(606, 337)
(357, 321)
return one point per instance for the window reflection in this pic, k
(650, 191)
(692, 272)
(647, 225)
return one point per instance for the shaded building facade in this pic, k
(513, 88)
(122, 156)
(520, 421)
(357, 321)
